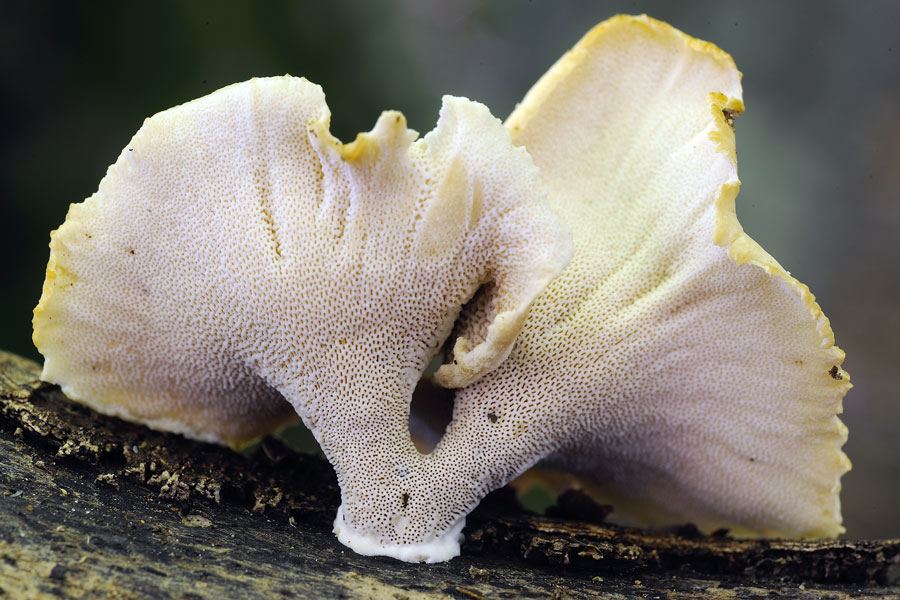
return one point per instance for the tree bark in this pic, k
(94, 507)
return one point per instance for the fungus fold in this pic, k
(238, 255)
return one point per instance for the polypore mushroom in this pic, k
(674, 362)
(237, 256)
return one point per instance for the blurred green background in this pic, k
(819, 145)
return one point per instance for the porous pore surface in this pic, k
(237, 255)
(675, 364)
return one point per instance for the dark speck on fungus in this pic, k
(729, 116)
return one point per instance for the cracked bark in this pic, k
(93, 507)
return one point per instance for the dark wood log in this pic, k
(94, 507)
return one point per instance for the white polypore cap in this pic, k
(237, 254)
(674, 363)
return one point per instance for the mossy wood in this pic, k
(91, 506)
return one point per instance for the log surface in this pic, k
(94, 507)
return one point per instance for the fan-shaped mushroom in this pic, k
(674, 362)
(237, 255)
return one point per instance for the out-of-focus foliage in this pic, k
(818, 147)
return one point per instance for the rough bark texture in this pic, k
(93, 507)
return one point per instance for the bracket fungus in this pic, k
(237, 254)
(674, 364)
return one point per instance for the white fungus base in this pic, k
(441, 548)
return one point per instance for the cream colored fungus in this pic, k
(237, 254)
